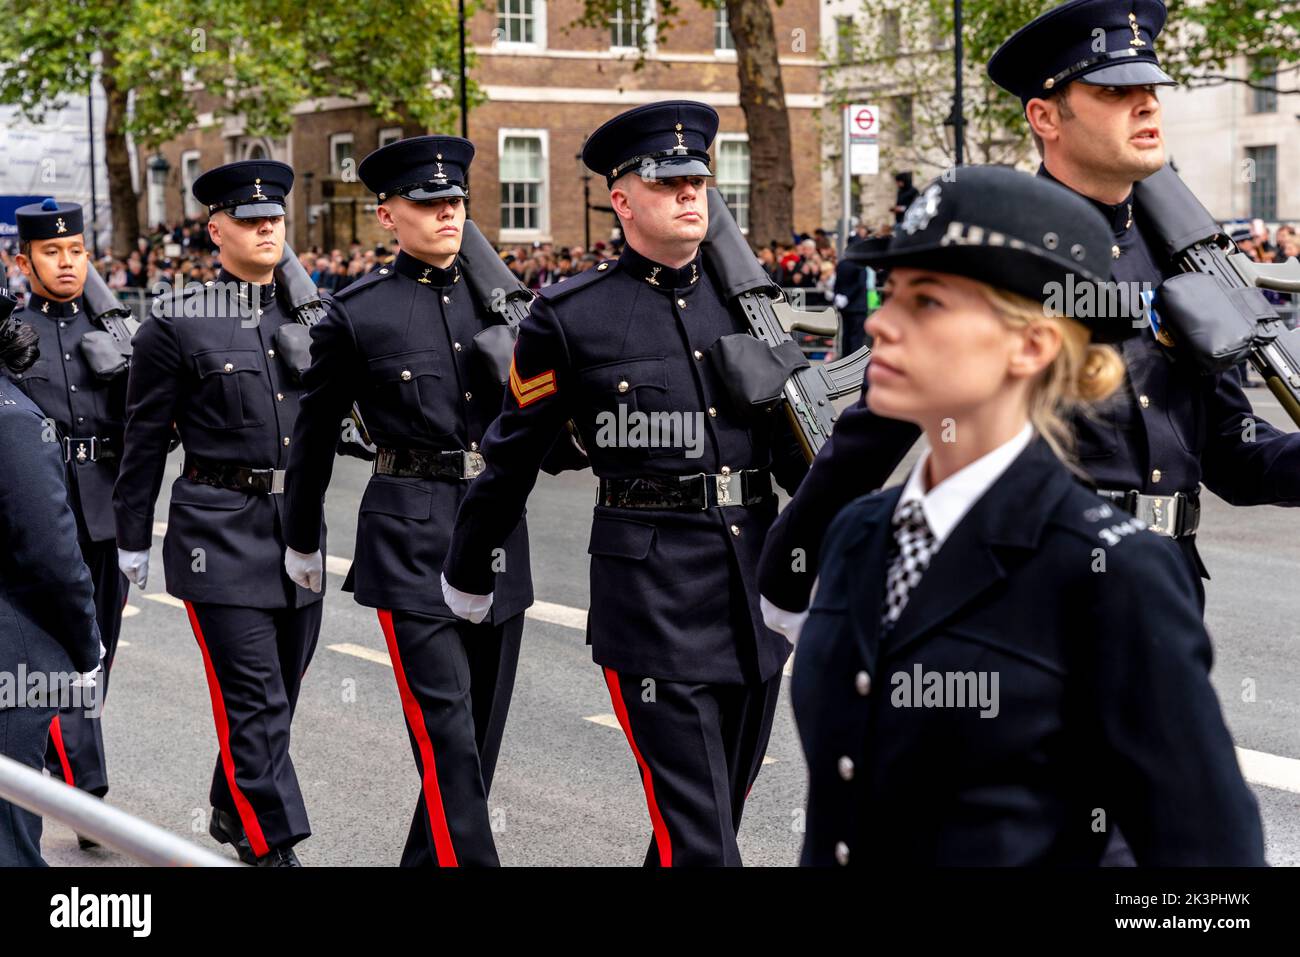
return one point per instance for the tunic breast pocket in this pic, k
(632, 406)
(408, 389)
(232, 390)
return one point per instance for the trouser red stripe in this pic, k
(247, 817)
(56, 735)
(656, 818)
(442, 847)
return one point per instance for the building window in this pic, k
(904, 120)
(845, 34)
(519, 21)
(891, 31)
(1264, 101)
(733, 175)
(191, 167)
(1263, 185)
(523, 182)
(341, 163)
(722, 38)
(627, 24)
(389, 134)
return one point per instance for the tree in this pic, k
(161, 62)
(762, 98)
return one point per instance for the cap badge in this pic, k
(60, 226)
(922, 210)
(681, 143)
(1137, 40)
(257, 189)
(440, 175)
(651, 278)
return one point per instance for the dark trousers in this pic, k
(23, 733)
(454, 680)
(699, 748)
(255, 659)
(853, 334)
(75, 751)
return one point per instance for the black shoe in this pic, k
(226, 829)
(279, 857)
(86, 843)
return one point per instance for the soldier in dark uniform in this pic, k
(1171, 427)
(1000, 666)
(80, 383)
(692, 672)
(47, 607)
(401, 341)
(221, 362)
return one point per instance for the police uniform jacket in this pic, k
(673, 593)
(211, 367)
(81, 405)
(47, 607)
(1105, 713)
(400, 343)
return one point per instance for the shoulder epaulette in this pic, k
(581, 281)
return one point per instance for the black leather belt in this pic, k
(427, 463)
(1175, 516)
(91, 448)
(688, 492)
(237, 478)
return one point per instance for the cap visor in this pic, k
(1137, 73)
(680, 166)
(256, 210)
(422, 193)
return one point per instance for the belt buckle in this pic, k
(474, 465)
(722, 484)
(83, 454)
(1160, 512)
(277, 481)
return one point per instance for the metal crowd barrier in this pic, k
(108, 825)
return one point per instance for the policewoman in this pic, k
(999, 666)
(79, 382)
(402, 342)
(692, 673)
(223, 362)
(47, 607)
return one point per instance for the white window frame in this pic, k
(335, 140)
(538, 41)
(543, 230)
(193, 208)
(646, 7)
(389, 134)
(720, 14)
(732, 138)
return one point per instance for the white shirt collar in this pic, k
(948, 502)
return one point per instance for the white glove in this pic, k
(305, 570)
(135, 566)
(473, 608)
(841, 301)
(788, 623)
(85, 679)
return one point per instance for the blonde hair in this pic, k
(1082, 375)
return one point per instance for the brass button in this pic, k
(80, 419)
(602, 267)
(446, 298)
(681, 303)
(698, 354)
(406, 375)
(1155, 475)
(735, 530)
(841, 853)
(279, 397)
(845, 767)
(712, 411)
(473, 446)
(383, 272)
(229, 367)
(456, 346)
(286, 440)
(862, 681)
(1114, 252)
(67, 356)
(72, 388)
(1144, 401)
(726, 470)
(623, 386)
(62, 324)
(259, 312)
(270, 353)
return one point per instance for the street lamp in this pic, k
(307, 177)
(954, 134)
(158, 170)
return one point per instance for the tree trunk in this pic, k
(762, 97)
(121, 190)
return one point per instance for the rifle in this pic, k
(808, 391)
(1216, 307)
(108, 312)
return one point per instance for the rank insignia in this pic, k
(528, 391)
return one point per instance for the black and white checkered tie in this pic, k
(914, 546)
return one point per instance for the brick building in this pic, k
(548, 84)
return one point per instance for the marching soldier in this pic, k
(1171, 427)
(692, 672)
(47, 602)
(222, 362)
(1000, 666)
(79, 381)
(403, 343)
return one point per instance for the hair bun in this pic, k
(1101, 374)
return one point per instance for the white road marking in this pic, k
(130, 611)
(1269, 770)
(361, 651)
(123, 644)
(164, 599)
(558, 615)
